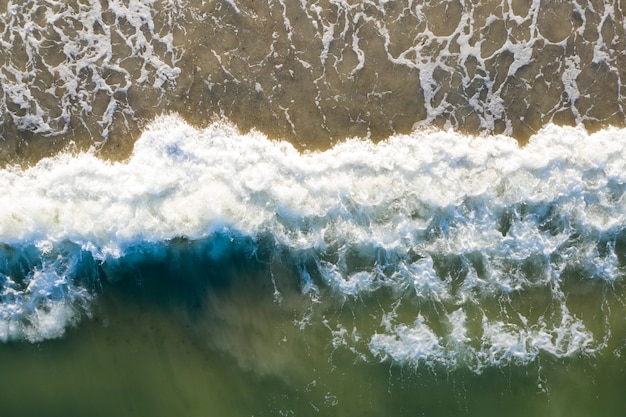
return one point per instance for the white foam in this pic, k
(416, 344)
(42, 303)
(51, 88)
(443, 220)
(475, 62)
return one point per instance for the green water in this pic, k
(227, 346)
(245, 338)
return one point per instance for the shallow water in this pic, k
(296, 208)
(91, 72)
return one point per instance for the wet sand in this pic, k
(310, 73)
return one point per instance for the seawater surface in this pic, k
(299, 208)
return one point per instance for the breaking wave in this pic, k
(466, 251)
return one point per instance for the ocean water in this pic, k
(293, 208)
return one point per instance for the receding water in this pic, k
(92, 72)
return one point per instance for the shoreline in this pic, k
(296, 71)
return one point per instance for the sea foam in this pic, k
(458, 229)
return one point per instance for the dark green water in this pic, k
(170, 344)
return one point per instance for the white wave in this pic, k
(455, 222)
(39, 296)
(184, 182)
